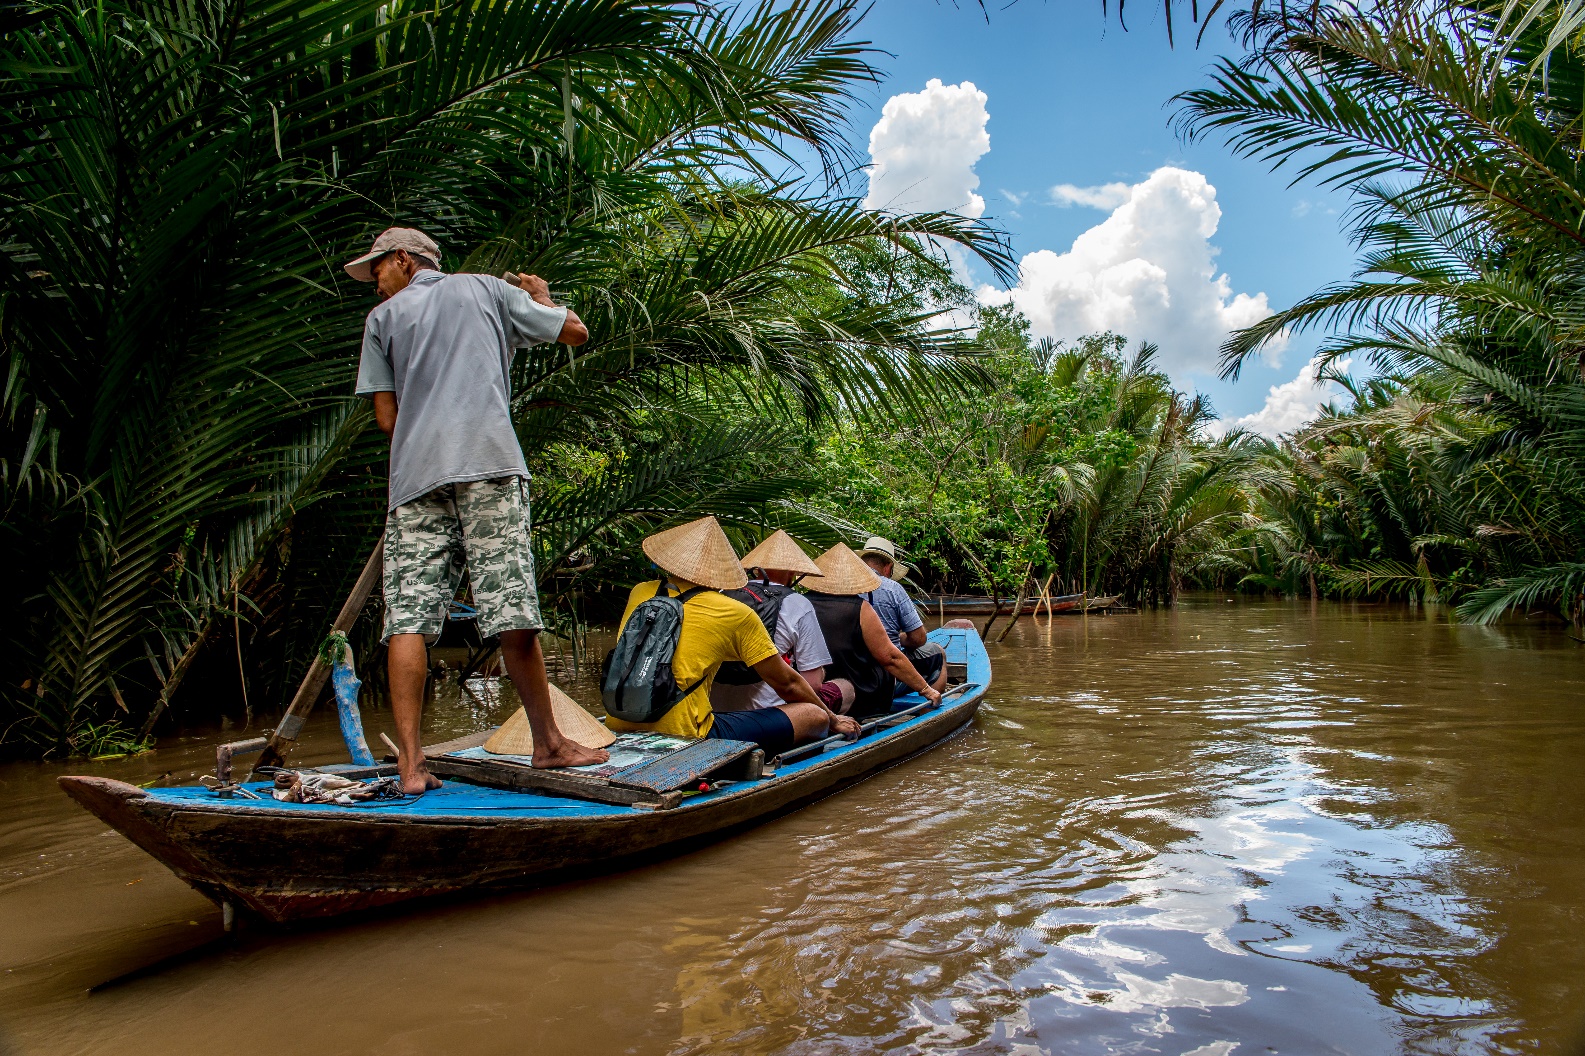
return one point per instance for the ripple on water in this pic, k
(1251, 888)
(1222, 829)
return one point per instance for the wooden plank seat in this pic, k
(657, 781)
(520, 777)
(686, 767)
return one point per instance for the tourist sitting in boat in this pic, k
(861, 650)
(715, 629)
(776, 564)
(900, 616)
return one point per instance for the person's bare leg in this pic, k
(407, 665)
(525, 663)
(940, 684)
(809, 722)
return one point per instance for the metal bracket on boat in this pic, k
(225, 790)
(224, 753)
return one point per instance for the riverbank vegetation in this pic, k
(1454, 474)
(1447, 473)
(1081, 467)
(190, 488)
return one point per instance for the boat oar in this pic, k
(816, 747)
(280, 740)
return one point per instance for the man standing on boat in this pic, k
(437, 356)
(900, 616)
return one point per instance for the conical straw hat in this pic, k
(515, 738)
(844, 572)
(781, 553)
(698, 552)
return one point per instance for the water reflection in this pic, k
(1231, 828)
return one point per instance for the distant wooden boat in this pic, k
(951, 605)
(495, 825)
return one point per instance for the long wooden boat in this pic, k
(285, 862)
(954, 605)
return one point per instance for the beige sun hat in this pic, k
(843, 572)
(699, 552)
(779, 552)
(882, 547)
(392, 239)
(515, 738)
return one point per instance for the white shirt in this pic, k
(799, 641)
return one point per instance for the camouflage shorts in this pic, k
(480, 526)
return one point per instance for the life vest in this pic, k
(765, 598)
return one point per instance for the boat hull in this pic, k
(291, 862)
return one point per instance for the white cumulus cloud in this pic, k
(1101, 196)
(1148, 271)
(1289, 405)
(924, 147)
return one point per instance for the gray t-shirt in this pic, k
(800, 643)
(444, 346)
(896, 609)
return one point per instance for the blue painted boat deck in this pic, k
(458, 799)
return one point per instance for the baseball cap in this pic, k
(391, 239)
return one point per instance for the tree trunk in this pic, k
(996, 605)
(1018, 606)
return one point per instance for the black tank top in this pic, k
(850, 658)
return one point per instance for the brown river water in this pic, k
(1242, 828)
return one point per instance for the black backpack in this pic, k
(636, 680)
(766, 600)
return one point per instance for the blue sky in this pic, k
(1073, 99)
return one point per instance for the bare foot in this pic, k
(567, 753)
(417, 781)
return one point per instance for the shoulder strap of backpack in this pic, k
(777, 598)
(683, 599)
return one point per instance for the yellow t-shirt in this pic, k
(715, 628)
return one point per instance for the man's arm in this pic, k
(911, 637)
(787, 683)
(385, 412)
(791, 687)
(889, 656)
(573, 332)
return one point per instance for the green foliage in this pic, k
(1080, 463)
(107, 740)
(1455, 475)
(179, 450)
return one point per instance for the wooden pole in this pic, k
(284, 735)
(1045, 596)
